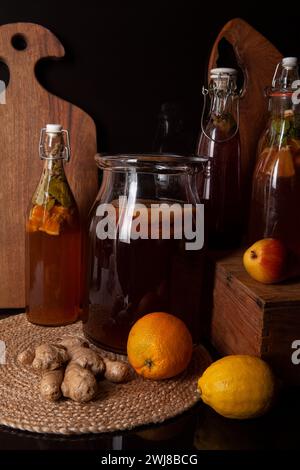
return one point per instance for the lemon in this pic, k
(238, 386)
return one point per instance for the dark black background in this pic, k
(124, 59)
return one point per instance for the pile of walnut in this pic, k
(70, 368)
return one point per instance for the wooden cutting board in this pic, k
(257, 58)
(27, 109)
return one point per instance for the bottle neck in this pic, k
(53, 147)
(221, 104)
(222, 91)
(221, 123)
(286, 74)
(284, 125)
(52, 152)
(53, 169)
(279, 105)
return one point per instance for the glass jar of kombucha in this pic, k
(146, 240)
(53, 239)
(276, 181)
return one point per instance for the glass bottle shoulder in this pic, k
(279, 147)
(53, 209)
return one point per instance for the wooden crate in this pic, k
(253, 318)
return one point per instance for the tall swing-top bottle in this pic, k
(219, 142)
(53, 238)
(276, 181)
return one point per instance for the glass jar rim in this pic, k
(150, 162)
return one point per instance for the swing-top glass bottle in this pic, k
(219, 142)
(53, 238)
(276, 180)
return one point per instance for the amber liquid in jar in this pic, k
(132, 279)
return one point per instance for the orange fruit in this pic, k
(159, 346)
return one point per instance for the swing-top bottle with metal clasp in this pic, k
(276, 179)
(53, 238)
(220, 186)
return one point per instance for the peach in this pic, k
(265, 261)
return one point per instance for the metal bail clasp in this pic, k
(65, 155)
(224, 76)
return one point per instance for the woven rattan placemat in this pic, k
(117, 407)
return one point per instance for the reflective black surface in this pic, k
(198, 429)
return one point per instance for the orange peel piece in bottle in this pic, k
(63, 212)
(52, 225)
(37, 216)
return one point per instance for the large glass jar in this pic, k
(144, 255)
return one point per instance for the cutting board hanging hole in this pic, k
(227, 58)
(19, 42)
